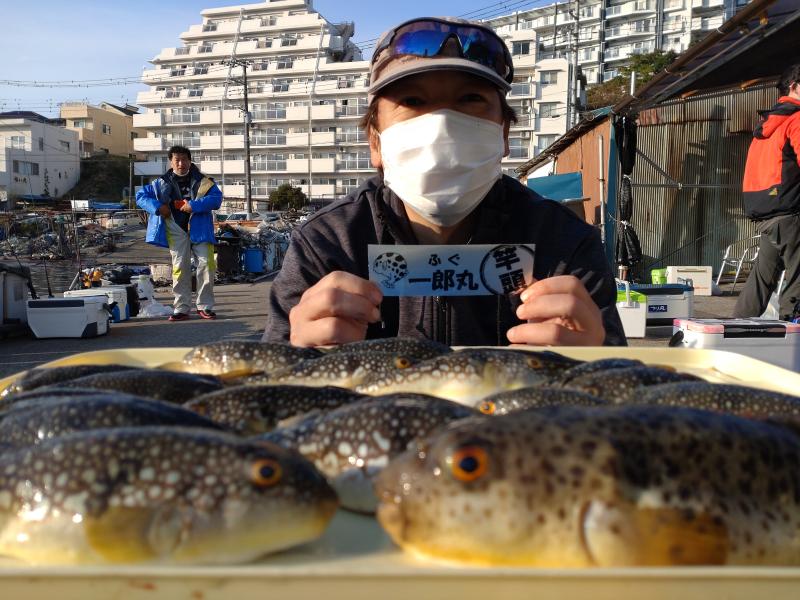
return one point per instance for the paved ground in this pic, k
(242, 312)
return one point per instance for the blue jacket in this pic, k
(206, 196)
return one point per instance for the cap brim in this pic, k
(399, 69)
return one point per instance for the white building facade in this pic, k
(37, 156)
(298, 61)
(611, 31)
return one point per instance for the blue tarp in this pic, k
(106, 205)
(567, 186)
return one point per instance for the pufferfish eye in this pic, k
(265, 472)
(487, 407)
(468, 463)
(401, 362)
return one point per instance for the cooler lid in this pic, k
(73, 302)
(739, 328)
(661, 289)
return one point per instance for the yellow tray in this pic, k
(355, 560)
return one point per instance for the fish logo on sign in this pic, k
(392, 267)
(507, 269)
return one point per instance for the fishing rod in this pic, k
(47, 277)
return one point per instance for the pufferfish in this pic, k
(581, 487)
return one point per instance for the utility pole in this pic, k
(130, 182)
(248, 193)
(572, 93)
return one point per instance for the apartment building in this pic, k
(307, 91)
(38, 156)
(105, 128)
(538, 94)
(611, 31)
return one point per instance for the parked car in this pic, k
(242, 216)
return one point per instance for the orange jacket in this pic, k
(771, 183)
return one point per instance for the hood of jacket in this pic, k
(773, 118)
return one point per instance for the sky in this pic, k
(77, 40)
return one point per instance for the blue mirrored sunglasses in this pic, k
(426, 38)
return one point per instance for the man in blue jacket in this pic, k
(180, 204)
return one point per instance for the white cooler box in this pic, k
(666, 302)
(115, 293)
(776, 342)
(698, 277)
(69, 317)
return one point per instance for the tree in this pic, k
(46, 190)
(614, 90)
(286, 197)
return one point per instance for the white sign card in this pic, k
(479, 270)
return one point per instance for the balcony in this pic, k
(149, 144)
(323, 138)
(351, 137)
(701, 5)
(521, 89)
(351, 111)
(211, 117)
(181, 118)
(229, 142)
(674, 4)
(151, 119)
(232, 167)
(318, 165)
(707, 23)
(150, 168)
(318, 112)
(233, 191)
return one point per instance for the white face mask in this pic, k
(442, 164)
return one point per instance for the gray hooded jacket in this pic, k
(336, 239)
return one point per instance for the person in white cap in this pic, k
(438, 124)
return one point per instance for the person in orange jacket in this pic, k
(771, 189)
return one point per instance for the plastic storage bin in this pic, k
(776, 342)
(119, 312)
(79, 317)
(699, 277)
(666, 302)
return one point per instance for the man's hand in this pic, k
(164, 211)
(560, 312)
(187, 208)
(336, 310)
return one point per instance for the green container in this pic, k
(658, 276)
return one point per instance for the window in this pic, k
(288, 42)
(521, 89)
(280, 85)
(134, 135)
(517, 147)
(544, 141)
(284, 62)
(106, 128)
(519, 48)
(195, 92)
(64, 146)
(16, 141)
(181, 51)
(79, 123)
(22, 167)
(548, 109)
(205, 48)
(41, 144)
(548, 77)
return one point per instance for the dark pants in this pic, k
(778, 249)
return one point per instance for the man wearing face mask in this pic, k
(438, 127)
(180, 204)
